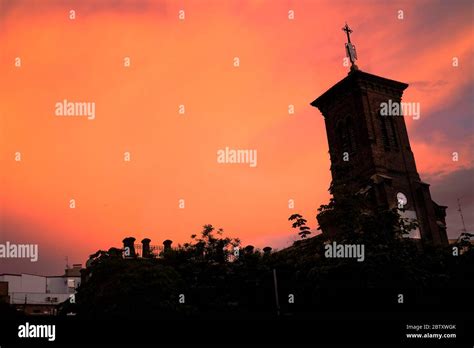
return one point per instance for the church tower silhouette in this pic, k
(376, 148)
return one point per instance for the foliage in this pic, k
(215, 281)
(300, 223)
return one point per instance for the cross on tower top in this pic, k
(350, 48)
(348, 32)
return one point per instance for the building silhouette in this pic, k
(371, 151)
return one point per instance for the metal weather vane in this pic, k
(350, 48)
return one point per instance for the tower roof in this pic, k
(353, 79)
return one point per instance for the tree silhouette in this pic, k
(353, 212)
(300, 223)
(214, 283)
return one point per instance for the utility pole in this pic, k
(276, 291)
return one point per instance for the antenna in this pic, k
(67, 262)
(462, 217)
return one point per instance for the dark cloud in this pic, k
(436, 20)
(446, 190)
(428, 86)
(51, 252)
(454, 119)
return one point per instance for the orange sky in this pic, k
(190, 62)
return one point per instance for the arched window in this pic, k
(341, 135)
(352, 144)
(383, 127)
(393, 134)
(346, 136)
(389, 133)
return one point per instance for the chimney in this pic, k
(267, 250)
(129, 247)
(167, 243)
(249, 249)
(146, 252)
